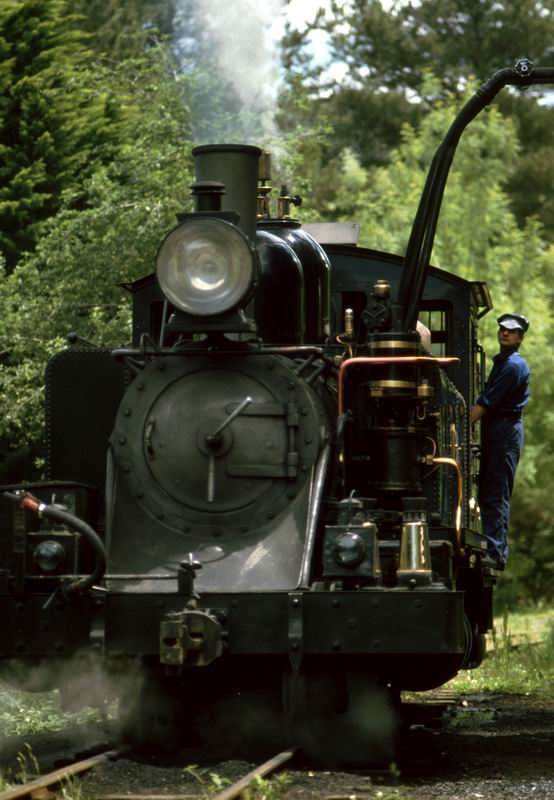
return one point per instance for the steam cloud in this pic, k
(231, 49)
(245, 51)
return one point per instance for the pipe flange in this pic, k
(524, 67)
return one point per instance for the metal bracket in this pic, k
(296, 690)
(296, 630)
(98, 625)
(190, 638)
(524, 67)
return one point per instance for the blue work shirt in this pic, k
(507, 388)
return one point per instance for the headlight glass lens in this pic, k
(49, 556)
(205, 266)
(349, 549)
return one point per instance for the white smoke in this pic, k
(242, 33)
(236, 44)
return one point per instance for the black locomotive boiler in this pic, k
(265, 505)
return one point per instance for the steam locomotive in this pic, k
(282, 532)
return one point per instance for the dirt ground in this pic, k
(489, 746)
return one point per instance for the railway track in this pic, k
(229, 793)
(45, 782)
(37, 787)
(518, 763)
(426, 709)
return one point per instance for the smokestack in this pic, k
(235, 165)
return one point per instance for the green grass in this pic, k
(520, 657)
(23, 713)
(211, 783)
(27, 769)
(72, 789)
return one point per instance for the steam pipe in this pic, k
(236, 166)
(286, 350)
(316, 495)
(420, 244)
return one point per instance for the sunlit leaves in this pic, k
(107, 231)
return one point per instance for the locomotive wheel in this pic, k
(477, 649)
(339, 715)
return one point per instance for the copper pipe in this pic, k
(379, 360)
(451, 462)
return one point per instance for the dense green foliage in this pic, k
(389, 52)
(453, 38)
(106, 230)
(48, 126)
(122, 28)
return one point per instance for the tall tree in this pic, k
(106, 231)
(389, 52)
(455, 39)
(49, 131)
(123, 28)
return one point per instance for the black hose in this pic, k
(12, 496)
(78, 525)
(26, 500)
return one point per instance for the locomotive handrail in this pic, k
(320, 478)
(380, 360)
(134, 352)
(451, 462)
(420, 244)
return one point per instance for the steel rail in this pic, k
(259, 772)
(51, 778)
(230, 793)
(148, 796)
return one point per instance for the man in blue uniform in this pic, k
(500, 408)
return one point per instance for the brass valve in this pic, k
(265, 189)
(285, 201)
(348, 324)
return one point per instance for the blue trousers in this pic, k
(502, 443)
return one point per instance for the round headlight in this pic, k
(49, 556)
(349, 549)
(205, 266)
